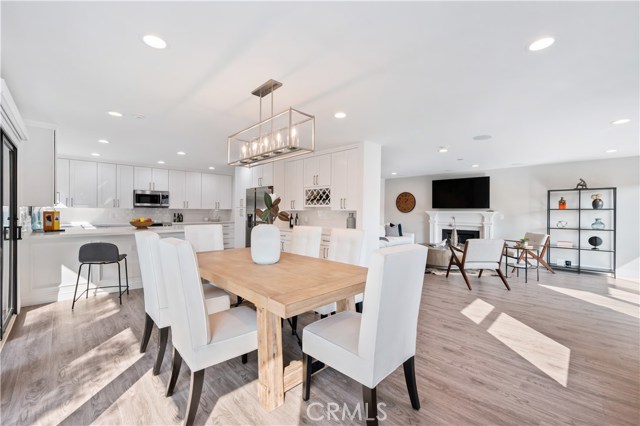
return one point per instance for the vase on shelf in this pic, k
(595, 242)
(562, 203)
(597, 202)
(598, 224)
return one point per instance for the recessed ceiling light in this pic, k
(95, 154)
(340, 114)
(542, 43)
(482, 137)
(160, 162)
(611, 151)
(211, 168)
(621, 121)
(394, 173)
(181, 153)
(443, 149)
(139, 116)
(475, 165)
(103, 141)
(114, 113)
(154, 41)
(460, 159)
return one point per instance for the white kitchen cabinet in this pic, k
(107, 185)
(148, 179)
(279, 180)
(124, 186)
(83, 183)
(294, 189)
(193, 190)
(346, 187)
(177, 188)
(216, 191)
(262, 175)
(317, 171)
(62, 182)
(38, 156)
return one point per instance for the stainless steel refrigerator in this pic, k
(255, 200)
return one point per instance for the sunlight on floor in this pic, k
(624, 295)
(546, 354)
(599, 300)
(477, 310)
(91, 371)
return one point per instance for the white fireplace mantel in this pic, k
(482, 221)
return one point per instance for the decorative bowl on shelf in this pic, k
(142, 223)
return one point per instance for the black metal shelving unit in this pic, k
(609, 197)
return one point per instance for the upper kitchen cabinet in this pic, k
(124, 187)
(83, 183)
(146, 178)
(279, 180)
(63, 191)
(107, 185)
(216, 191)
(293, 189)
(317, 171)
(262, 175)
(347, 180)
(115, 186)
(185, 190)
(38, 186)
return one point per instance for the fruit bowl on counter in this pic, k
(142, 223)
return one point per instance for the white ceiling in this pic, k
(410, 76)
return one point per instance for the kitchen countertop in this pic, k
(111, 231)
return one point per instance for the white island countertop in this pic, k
(114, 230)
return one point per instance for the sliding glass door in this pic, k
(11, 233)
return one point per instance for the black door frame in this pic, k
(13, 231)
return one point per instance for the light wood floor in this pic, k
(562, 351)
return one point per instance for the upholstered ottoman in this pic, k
(438, 257)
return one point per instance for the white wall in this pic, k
(520, 196)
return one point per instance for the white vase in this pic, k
(265, 244)
(454, 237)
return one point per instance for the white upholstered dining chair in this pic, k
(155, 294)
(205, 237)
(345, 246)
(200, 339)
(478, 254)
(368, 347)
(305, 241)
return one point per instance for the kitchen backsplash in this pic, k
(108, 216)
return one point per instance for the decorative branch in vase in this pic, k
(272, 211)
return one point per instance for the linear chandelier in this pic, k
(284, 135)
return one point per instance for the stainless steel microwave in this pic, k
(150, 198)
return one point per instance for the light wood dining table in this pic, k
(294, 285)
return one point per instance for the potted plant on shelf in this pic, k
(524, 242)
(265, 237)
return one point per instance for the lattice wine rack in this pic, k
(317, 197)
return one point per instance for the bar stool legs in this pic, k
(120, 291)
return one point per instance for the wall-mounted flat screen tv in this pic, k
(466, 193)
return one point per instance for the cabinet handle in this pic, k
(19, 232)
(187, 204)
(66, 201)
(71, 201)
(113, 202)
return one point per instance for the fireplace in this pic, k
(481, 222)
(463, 235)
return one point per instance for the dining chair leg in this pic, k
(294, 325)
(148, 326)
(239, 301)
(307, 368)
(410, 378)
(195, 390)
(449, 268)
(504, 280)
(359, 307)
(245, 358)
(76, 290)
(175, 371)
(371, 405)
(162, 347)
(480, 273)
(466, 278)
(88, 281)
(323, 316)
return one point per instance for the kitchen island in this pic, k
(49, 261)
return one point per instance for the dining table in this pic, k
(294, 285)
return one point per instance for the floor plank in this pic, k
(83, 367)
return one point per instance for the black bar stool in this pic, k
(100, 254)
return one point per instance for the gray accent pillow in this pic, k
(391, 230)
